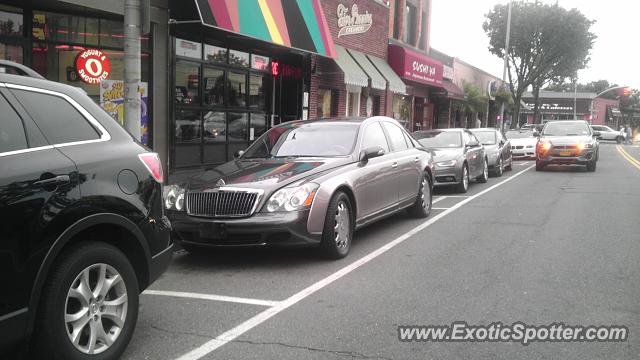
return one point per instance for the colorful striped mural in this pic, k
(299, 24)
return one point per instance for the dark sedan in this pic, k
(497, 148)
(567, 143)
(458, 155)
(305, 183)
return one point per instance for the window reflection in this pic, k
(215, 127)
(187, 79)
(238, 123)
(187, 126)
(237, 89)
(257, 96)
(238, 58)
(213, 86)
(11, 24)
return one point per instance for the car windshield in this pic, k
(439, 139)
(518, 134)
(566, 129)
(486, 137)
(306, 140)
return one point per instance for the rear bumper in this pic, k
(286, 229)
(159, 262)
(525, 153)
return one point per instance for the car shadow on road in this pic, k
(565, 168)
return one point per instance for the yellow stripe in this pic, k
(628, 157)
(271, 24)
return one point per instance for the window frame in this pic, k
(393, 149)
(386, 138)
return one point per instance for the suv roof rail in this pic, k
(18, 69)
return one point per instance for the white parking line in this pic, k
(258, 319)
(232, 299)
(437, 208)
(458, 196)
(439, 198)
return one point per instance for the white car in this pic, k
(523, 144)
(607, 133)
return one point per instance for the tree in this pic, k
(547, 44)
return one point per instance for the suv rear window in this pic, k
(56, 117)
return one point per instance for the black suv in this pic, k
(82, 228)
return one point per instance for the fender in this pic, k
(63, 240)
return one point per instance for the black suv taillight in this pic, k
(152, 162)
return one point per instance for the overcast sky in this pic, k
(456, 30)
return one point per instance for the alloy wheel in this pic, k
(96, 308)
(342, 225)
(465, 177)
(425, 195)
(500, 168)
(485, 172)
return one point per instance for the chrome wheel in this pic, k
(465, 177)
(485, 172)
(342, 226)
(499, 168)
(96, 308)
(425, 195)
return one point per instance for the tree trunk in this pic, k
(515, 120)
(536, 103)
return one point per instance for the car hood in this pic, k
(444, 154)
(265, 174)
(568, 140)
(524, 141)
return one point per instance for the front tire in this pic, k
(499, 167)
(422, 207)
(463, 185)
(89, 307)
(485, 173)
(338, 227)
(539, 166)
(591, 166)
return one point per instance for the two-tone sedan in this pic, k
(459, 156)
(567, 142)
(497, 149)
(523, 144)
(305, 183)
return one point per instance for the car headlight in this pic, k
(448, 163)
(174, 198)
(292, 198)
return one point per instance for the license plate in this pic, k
(213, 231)
(565, 153)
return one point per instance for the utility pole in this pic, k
(506, 59)
(575, 97)
(132, 73)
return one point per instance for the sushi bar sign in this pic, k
(351, 21)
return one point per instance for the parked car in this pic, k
(305, 183)
(458, 157)
(523, 144)
(607, 133)
(528, 127)
(497, 149)
(83, 230)
(567, 143)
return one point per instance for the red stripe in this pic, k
(221, 14)
(278, 16)
(232, 8)
(324, 30)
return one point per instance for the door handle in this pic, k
(56, 180)
(394, 165)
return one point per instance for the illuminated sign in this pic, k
(259, 62)
(93, 66)
(285, 70)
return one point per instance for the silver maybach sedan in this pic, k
(305, 183)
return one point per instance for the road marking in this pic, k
(440, 198)
(435, 208)
(458, 196)
(223, 298)
(258, 319)
(628, 157)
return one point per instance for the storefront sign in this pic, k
(112, 101)
(285, 70)
(93, 66)
(259, 62)
(552, 107)
(350, 21)
(447, 72)
(414, 66)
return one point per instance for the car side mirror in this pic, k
(370, 153)
(536, 134)
(596, 134)
(238, 154)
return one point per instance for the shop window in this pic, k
(11, 23)
(410, 24)
(111, 33)
(238, 58)
(353, 104)
(11, 52)
(237, 127)
(215, 153)
(327, 103)
(376, 106)
(213, 86)
(50, 27)
(257, 97)
(401, 108)
(259, 62)
(237, 89)
(92, 32)
(187, 79)
(258, 125)
(188, 48)
(215, 126)
(59, 121)
(215, 54)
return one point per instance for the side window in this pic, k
(407, 139)
(466, 138)
(396, 137)
(374, 136)
(12, 135)
(58, 119)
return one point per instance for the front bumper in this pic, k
(261, 229)
(447, 176)
(159, 262)
(523, 153)
(562, 157)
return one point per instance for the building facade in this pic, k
(560, 106)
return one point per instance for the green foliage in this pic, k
(475, 100)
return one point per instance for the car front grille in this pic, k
(517, 147)
(222, 203)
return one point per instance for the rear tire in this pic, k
(73, 290)
(338, 227)
(619, 139)
(463, 185)
(422, 207)
(591, 166)
(539, 166)
(485, 173)
(499, 168)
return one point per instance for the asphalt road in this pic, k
(561, 245)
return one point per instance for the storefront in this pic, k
(358, 82)
(560, 106)
(75, 43)
(424, 78)
(238, 71)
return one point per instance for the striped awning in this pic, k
(353, 74)
(298, 24)
(377, 81)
